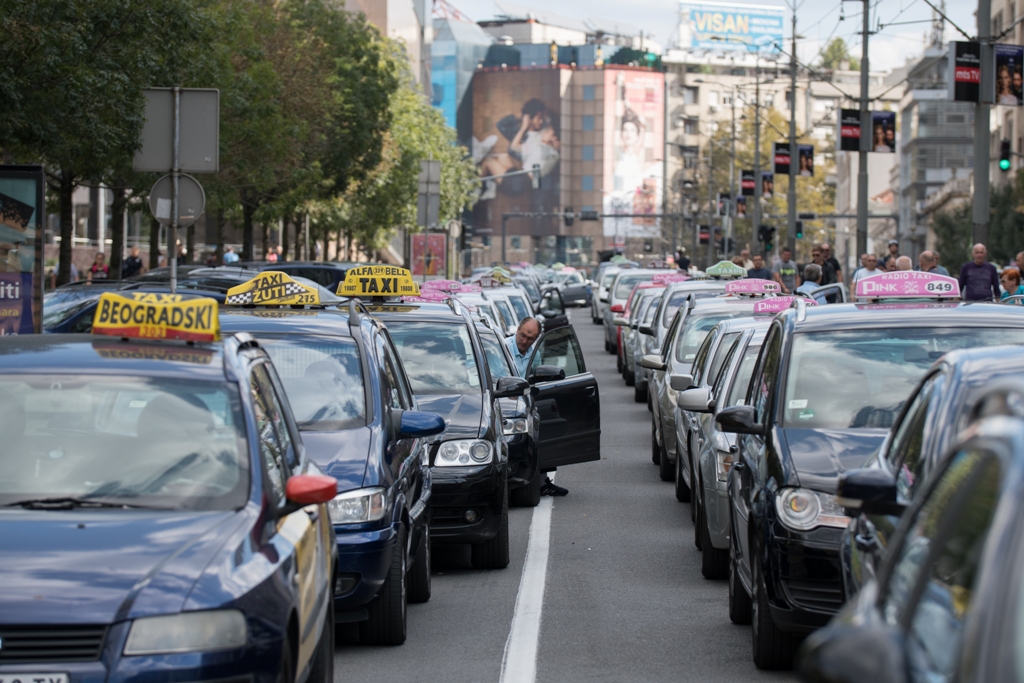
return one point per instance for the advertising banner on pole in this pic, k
(883, 131)
(965, 71)
(741, 207)
(428, 254)
(768, 184)
(748, 185)
(806, 154)
(781, 158)
(731, 27)
(849, 130)
(1009, 75)
(22, 210)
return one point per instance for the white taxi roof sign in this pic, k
(142, 317)
(907, 284)
(724, 269)
(378, 281)
(272, 288)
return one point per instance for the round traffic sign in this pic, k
(191, 200)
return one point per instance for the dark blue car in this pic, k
(159, 516)
(359, 423)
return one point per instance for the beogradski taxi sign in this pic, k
(156, 316)
(907, 284)
(378, 281)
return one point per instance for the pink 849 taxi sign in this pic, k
(907, 284)
(777, 304)
(751, 286)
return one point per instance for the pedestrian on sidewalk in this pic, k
(979, 280)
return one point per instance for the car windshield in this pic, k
(860, 378)
(530, 286)
(323, 378)
(606, 282)
(438, 357)
(506, 312)
(740, 382)
(696, 328)
(496, 361)
(624, 285)
(134, 441)
(519, 304)
(58, 314)
(647, 316)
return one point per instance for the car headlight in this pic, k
(187, 632)
(463, 453)
(357, 506)
(514, 425)
(803, 509)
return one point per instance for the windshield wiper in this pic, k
(70, 503)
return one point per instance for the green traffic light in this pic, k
(1004, 164)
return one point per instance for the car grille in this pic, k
(62, 643)
(821, 596)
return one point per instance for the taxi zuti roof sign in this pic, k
(378, 281)
(272, 288)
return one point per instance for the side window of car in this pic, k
(268, 425)
(701, 359)
(763, 384)
(397, 377)
(561, 349)
(930, 587)
(906, 448)
(718, 360)
(390, 386)
(716, 390)
(670, 336)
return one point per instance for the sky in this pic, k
(817, 21)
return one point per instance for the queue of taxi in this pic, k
(199, 488)
(852, 469)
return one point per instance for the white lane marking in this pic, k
(519, 665)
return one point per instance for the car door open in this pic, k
(567, 401)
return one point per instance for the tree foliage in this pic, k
(954, 228)
(837, 52)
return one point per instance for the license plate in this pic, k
(34, 678)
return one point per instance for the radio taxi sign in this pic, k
(272, 288)
(907, 284)
(152, 317)
(378, 281)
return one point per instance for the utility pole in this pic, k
(758, 182)
(664, 163)
(982, 134)
(712, 205)
(794, 156)
(732, 177)
(865, 137)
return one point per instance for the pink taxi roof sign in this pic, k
(777, 304)
(907, 284)
(751, 286)
(666, 278)
(428, 296)
(470, 288)
(442, 286)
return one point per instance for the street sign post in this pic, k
(191, 200)
(428, 201)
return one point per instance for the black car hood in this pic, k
(342, 455)
(461, 413)
(821, 455)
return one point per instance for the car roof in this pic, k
(723, 303)
(264, 320)
(905, 314)
(73, 354)
(740, 324)
(429, 312)
(983, 364)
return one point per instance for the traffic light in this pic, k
(766, 233)
(799, 230)
(1004, 155)
(567, 216)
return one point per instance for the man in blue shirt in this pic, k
(521, 344)
(979, 280)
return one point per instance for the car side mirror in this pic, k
(307, 489)
(546, 373)
(603, 298)
(847, 653)
(617, 308)
(646, 329)
(619, 321)
(680, 382)
(511, 387)
(414, 424)
(695, 400)
(652, 362)
(738, 420)
(868, 490)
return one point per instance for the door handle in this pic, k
(590, 391)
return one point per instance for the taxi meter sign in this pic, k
(149, 317)
(907, 284)
(271, 288)
(751, 286)
(373, 281)
(724, 269)
(777, 304)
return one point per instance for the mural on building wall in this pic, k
(634, 135)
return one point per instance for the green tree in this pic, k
(836, 52)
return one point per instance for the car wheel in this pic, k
(665, 470)
(650, 401)
(630, 378)
(772, 648)
(693, 494)
(527, 496)
(695, 513)
(286, 670)
(639, 393)
(739, 600)
(714, 562)
(322, 670)
(387, 622)
(419, 575)
(608, 346)
(493, 554)
(682, 490)
(618, 363)
(655, 448)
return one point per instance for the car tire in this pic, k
(419, 573)
(388, 613)
(322, 670)
(714, 562)
(618, 363)
(665, 470)
(772, 647)
(683, 493)
(639, 393)
(655, 448)
(650, 400)
(630, 378)
(739, 600)
(527, 496)
(608, 347)
(698, 541)
(493, 554)
(286, 669)
(693, 494)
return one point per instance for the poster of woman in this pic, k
(883, 131)
(1009, 74)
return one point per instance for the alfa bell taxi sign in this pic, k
(272, 288)
(147, 317)
(378, 281)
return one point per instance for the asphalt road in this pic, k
(624, 599)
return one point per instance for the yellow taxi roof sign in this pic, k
(272, 288)
(378, 281)
(143, 318)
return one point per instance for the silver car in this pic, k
(599, 295)
(645, 305)
(619, 291)
(641, 343)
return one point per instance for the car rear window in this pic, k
(624, 285)
(438, 357)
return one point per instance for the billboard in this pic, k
(748, 185)
(781, 157)
(427, 256)
(883, 131)
(634, 144)
(965, 71)
(767, 184)
(21, 252)
(731, 26)
(516, 126)
(1009, 74)
(849, 130)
